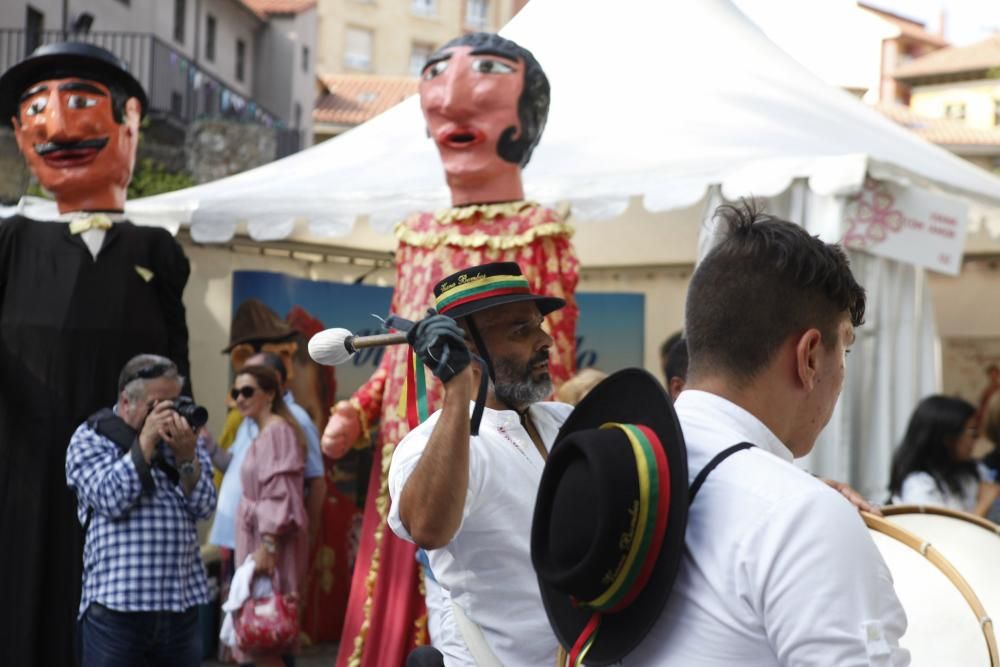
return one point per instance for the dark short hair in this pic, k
(670, 342)
(532, 106)
(118, 95)
(766, 280)
(274, 362)
(935, 425)
(677, 361)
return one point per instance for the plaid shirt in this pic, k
(141, 551)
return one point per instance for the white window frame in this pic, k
(424, 7)
(419, 53)
(355, 59)
(477, 14)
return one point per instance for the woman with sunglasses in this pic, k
(934, 463)
(271, 520)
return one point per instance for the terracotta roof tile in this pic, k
(351, 99)
(265, 7)
(982, 55)
(941, 131)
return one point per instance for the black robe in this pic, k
(68, 324)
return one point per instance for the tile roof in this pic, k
(265, 7)
(982, 55)
(941, 131)
(351, 99)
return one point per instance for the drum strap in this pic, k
(719, 458)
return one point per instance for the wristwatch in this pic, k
(186, 468)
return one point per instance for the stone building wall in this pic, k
(218, 148)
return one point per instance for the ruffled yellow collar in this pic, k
(487, 211)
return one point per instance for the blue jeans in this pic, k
(111, 638)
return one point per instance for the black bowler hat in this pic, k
(608, 529)
(485, 286)
(62, 60)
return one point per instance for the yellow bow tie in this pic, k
(98, 221)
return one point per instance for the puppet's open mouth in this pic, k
(464, 137)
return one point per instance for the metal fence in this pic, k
(175, 85)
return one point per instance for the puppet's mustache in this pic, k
(83, 144)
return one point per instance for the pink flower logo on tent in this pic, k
(871, 217)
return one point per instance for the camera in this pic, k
(195, 415)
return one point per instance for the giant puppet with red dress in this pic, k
(81, 293)
(485, 100)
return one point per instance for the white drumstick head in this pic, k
(329, 347)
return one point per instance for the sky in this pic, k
(966, 21)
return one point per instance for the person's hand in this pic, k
(988, 493)
(152, 427)
(852, 496)
(342, 431)
(440, 344)
(264, 560)
(177, 433)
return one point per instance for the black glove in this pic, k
(440, 344)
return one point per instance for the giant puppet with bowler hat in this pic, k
(80, 294)
(485, 101)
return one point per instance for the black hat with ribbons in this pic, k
(608, 529)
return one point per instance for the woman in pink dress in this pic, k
(271, 520)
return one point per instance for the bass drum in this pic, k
(947, 624)
(969, 542)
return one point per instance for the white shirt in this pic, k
(778, 568)
(486, 568)
(919, 488)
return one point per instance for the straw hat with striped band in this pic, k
(485, 286)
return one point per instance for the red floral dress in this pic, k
(385, 615)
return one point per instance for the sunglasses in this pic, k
(246, 392)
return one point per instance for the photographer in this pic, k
(141, 484)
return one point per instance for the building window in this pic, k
(176, 104)
(954, 111)
(127, 3)
(241, 59)
(419, 53)
(180, 19)
(424, 7)
(210, 38)
(358, 50)
(477, 14)
(305, 59)
(34, 24)
(298, 115)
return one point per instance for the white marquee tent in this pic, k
(679, 105)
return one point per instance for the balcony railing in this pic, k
(177, 87)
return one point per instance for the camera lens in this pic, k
(195, 415)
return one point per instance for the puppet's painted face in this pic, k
(468, 101)
(67, 133)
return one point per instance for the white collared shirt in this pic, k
(486, 568)
(920, 488)
(778, 568)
